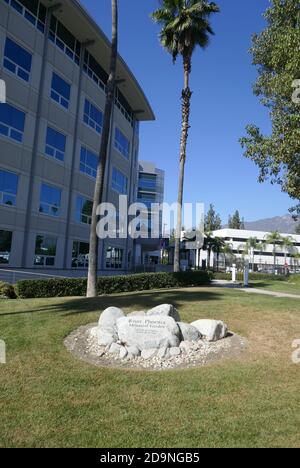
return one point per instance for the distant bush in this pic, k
(7, 291)
(252, 277)
(65, 287)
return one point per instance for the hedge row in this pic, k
(61, 287)
(252, 277)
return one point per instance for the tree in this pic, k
(218, 245)
(185, 25)
(298, 229)
(274, 238)
(212, 220)
(276, 54)
(209, 243)
(251, 246)
(236, 222)
(98, 193)
(227, 250)
(288, 243)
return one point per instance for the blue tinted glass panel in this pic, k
(50, 200)
(8, 188)
(119, 182)
(17, 59)
(12, 122)
(55, 144)
(88, 162)
(93, 116)
(60, 91)
(122, 143)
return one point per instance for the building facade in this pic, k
(260, 257)
(150, 190)
(54, 60)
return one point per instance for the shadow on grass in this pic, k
(137, 300)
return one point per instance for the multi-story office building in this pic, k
(150, 191)
(54, 60)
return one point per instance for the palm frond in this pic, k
(185, 25)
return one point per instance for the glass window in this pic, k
(50, 200)
(147, 182)
(80, 255)
(8, 188)
(64, 40)
(123, 106)
(93, 69)
(17, 60)
(5, 246)
(60, 91)
(12, 122)
(93, 117)
(122, 143)
(114, 258)
(33, 10)
(45, 251)
(55, 144)
(88, 162)
(119, 182)
(84, 210)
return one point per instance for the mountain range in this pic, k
(284, 224)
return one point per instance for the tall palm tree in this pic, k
(251, 246)
(288, 243)
(273, 238)
(261, 246)
(227, 250)
(98, 193)
(185, 25)
(218, 245)
(209, 243)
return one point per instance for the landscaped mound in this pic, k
(156, 339)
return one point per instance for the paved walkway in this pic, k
(230, 285)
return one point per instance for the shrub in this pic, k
(61, 287)
(252, 277)
(7, 290)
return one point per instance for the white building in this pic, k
(262, 256)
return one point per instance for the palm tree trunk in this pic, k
(186, 104)
(98, 194)
(274, 260)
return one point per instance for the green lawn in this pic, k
(47, 398)
(291, 286)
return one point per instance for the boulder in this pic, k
(123, 352)
(148, 332)
(115, 349)
(167, 310)
(134, 351)
(107, 325)
(175, 352)
(137, 314)
(162, 352)
(188, 332)
(105, 338)
(211, 330)
(148, 353)
(186, 346)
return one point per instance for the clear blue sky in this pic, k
(222, 105)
